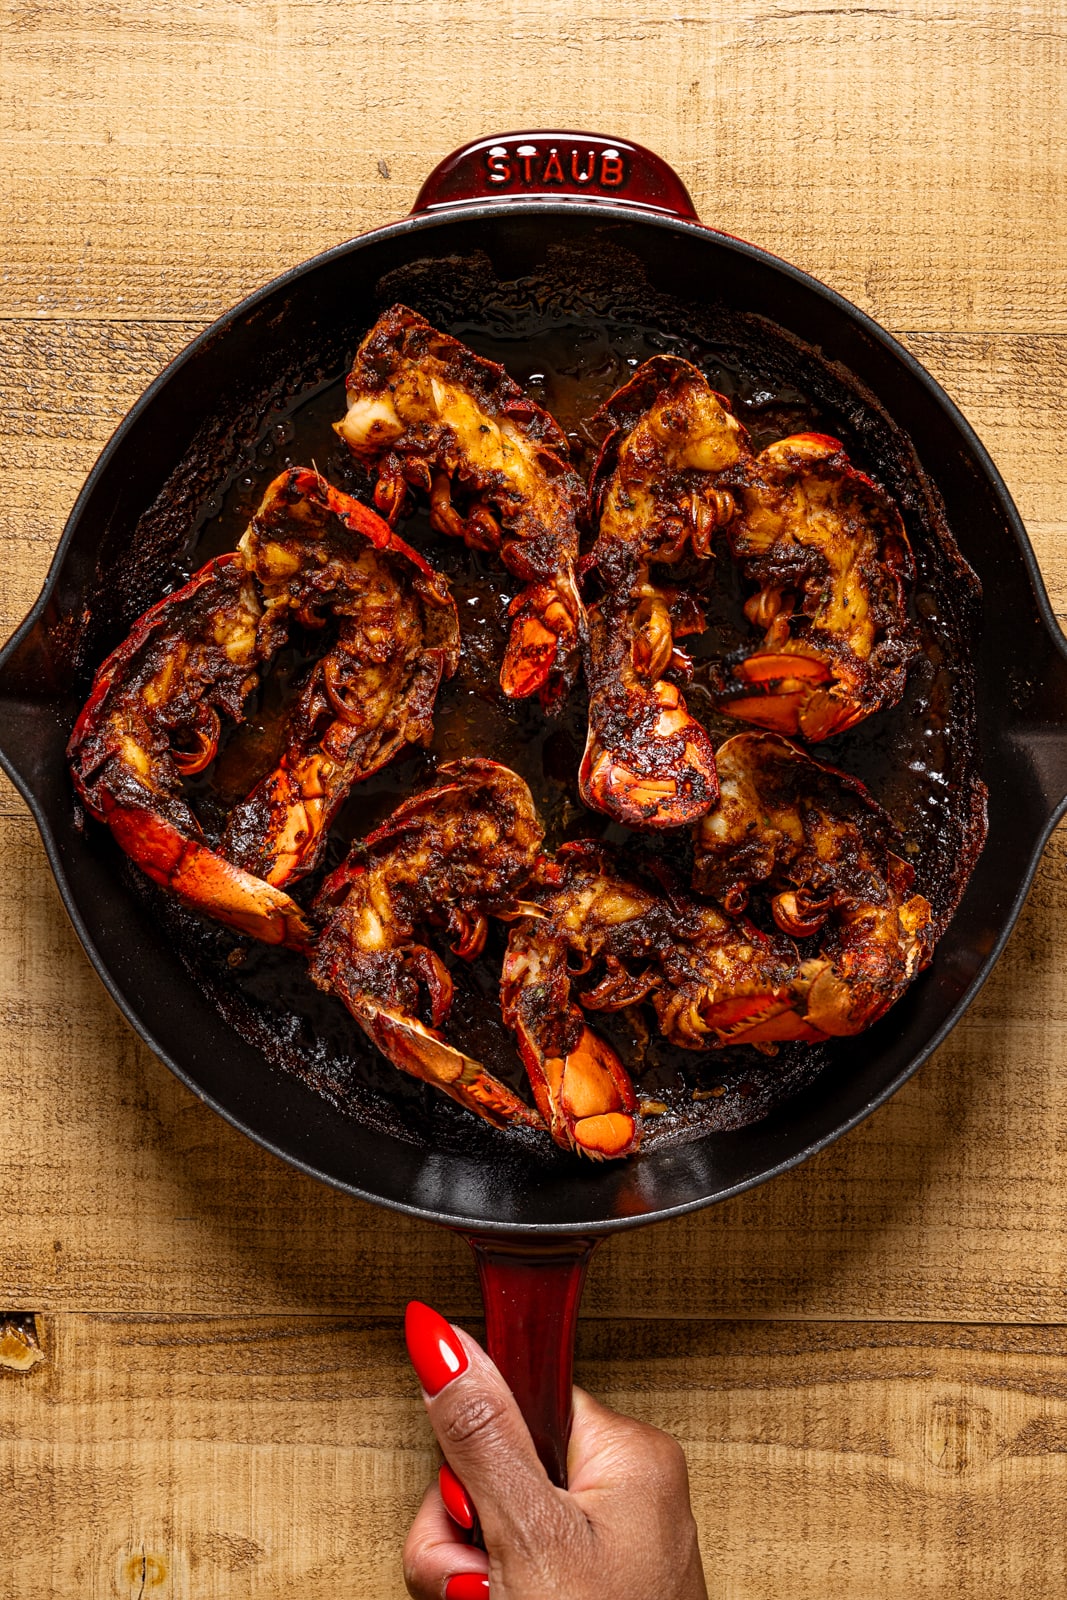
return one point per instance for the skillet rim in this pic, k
(600, 212)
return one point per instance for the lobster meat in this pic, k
(154, 713)
(814, 840)
(427, 413)
(659, 492)
(699, 969)
(830, 560)
(801, 923)
(785, 823)
(370, 694)
(824, 546)
(712, 980)
(449, 857)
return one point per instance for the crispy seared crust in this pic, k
(446, 858)
(659, 491)
(785, 818)
(155, 709)
(812, 839)
(428, 413)
(661, 483)
(828, 558)
(373, 693)
(401, 338)
(194, 653)
(648, 763)
(466, 845)
(705, 973)
(191, 658)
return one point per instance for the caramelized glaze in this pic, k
(571, 353)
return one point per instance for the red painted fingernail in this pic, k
(467, 1586)
(436, 1353)
(457, 1500)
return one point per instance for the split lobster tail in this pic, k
(447, 858)
(812, 841)
(155, 713)
(659, 492)
(428, 415)
(828, 555)
(316, 553)
(648, 763)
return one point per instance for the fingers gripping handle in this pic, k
(556, 166)
(531, 1295)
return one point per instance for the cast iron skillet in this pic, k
(533, 1226)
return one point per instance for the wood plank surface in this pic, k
(204, 1458)
(164, 159)
(866, 1359)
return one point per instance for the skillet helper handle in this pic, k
(556, 166)
(531, 1294)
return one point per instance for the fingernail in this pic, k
(457, 1500)
(467, 1586)
(436, 1353)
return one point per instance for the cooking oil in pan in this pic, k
(913, 757)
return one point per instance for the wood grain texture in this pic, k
(865, 1360)
(205, 1458)
(164, 159)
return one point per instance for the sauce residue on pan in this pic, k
(917, 758)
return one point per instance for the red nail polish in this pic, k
(436, 1353)
(467, 1586)
(457, 1500)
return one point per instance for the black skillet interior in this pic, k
(127, 541)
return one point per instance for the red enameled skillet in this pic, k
(516, 205)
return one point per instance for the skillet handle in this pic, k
(531, 1294)
(585, 167)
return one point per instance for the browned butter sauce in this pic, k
(916, 758)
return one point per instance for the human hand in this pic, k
(623, 1529)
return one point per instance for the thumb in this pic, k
(484, 1438)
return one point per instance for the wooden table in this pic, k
(866, 1360)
